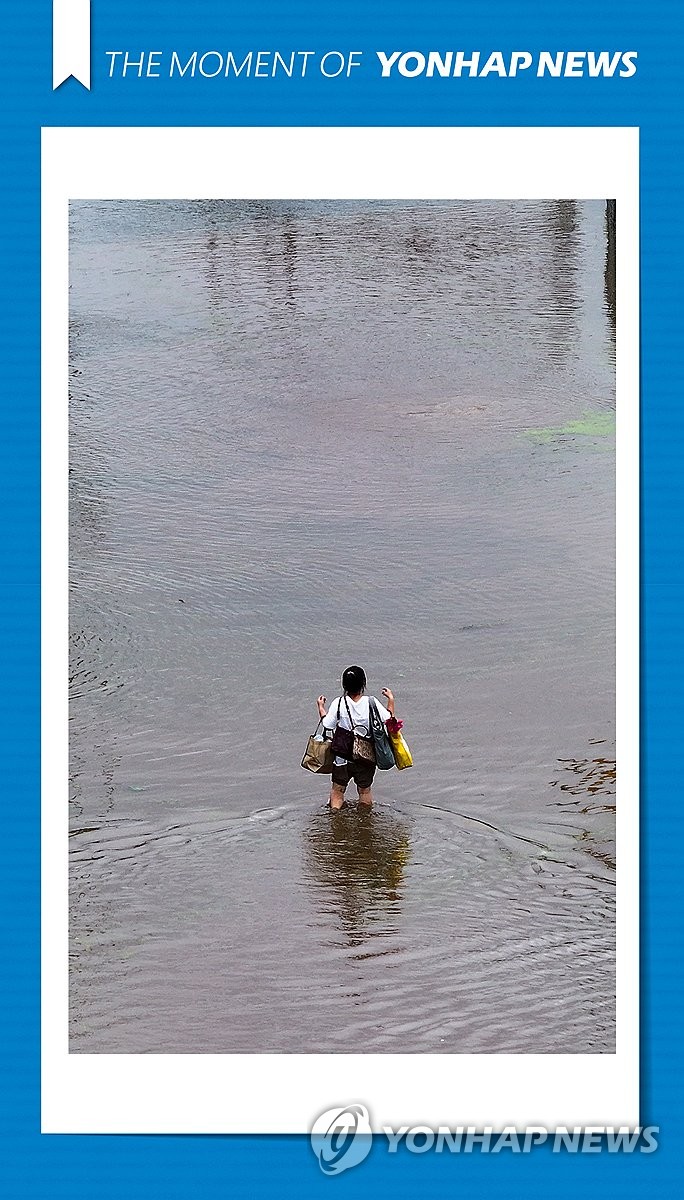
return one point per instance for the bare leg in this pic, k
(336, 796)
(365, 797)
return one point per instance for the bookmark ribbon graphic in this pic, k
(70, 41)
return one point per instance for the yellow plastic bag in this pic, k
(401, 752)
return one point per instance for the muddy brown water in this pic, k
(302, 435)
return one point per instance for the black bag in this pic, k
(383, 749)
(343, 739)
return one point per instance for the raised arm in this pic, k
(389, 695)
(321, 706)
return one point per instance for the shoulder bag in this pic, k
(383, 750)
(349, 744)
(318, 756)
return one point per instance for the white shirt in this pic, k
(359, 712)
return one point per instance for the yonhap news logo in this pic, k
(341, 1138)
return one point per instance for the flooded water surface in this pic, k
(305, 435)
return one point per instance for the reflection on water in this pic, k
(609, 274)
(304, 434)
(560, 302)
(357, 859)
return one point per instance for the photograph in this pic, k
(342, 626)
(341, 464)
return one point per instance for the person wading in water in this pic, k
(351, 711)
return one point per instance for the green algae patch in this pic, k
(589, 425)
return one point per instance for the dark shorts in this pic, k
(360, 771)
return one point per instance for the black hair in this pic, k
(354, 680)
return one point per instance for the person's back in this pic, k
(358, 709)
(351, 711)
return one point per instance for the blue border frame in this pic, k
(83, 1166)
